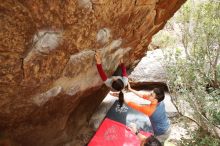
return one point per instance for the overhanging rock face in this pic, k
(49, 84)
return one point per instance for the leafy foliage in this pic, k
(200, 138)
(193, 65)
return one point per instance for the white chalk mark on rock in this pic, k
(47, 41)
(46, 96)
(103, 36)
(44, 42)
(73, 90)
(85, 4)
(116, 43)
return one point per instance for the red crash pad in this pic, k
(112, 133)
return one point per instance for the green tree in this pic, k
(193, 69)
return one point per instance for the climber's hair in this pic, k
(118, 85)
(121, 98)
(159, 94)
(152, 141)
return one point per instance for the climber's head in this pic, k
(158, 94)
(152, 141)
(117, 84)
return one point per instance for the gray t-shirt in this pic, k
(109, 81)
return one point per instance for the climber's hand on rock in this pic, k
(98, 58)
(129, 86)
(121, 60)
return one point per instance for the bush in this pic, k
(200, 138)
(193, 66)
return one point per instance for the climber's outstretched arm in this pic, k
(99, 66)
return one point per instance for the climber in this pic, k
(155, 111)
(117, 82)
(149, 140)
